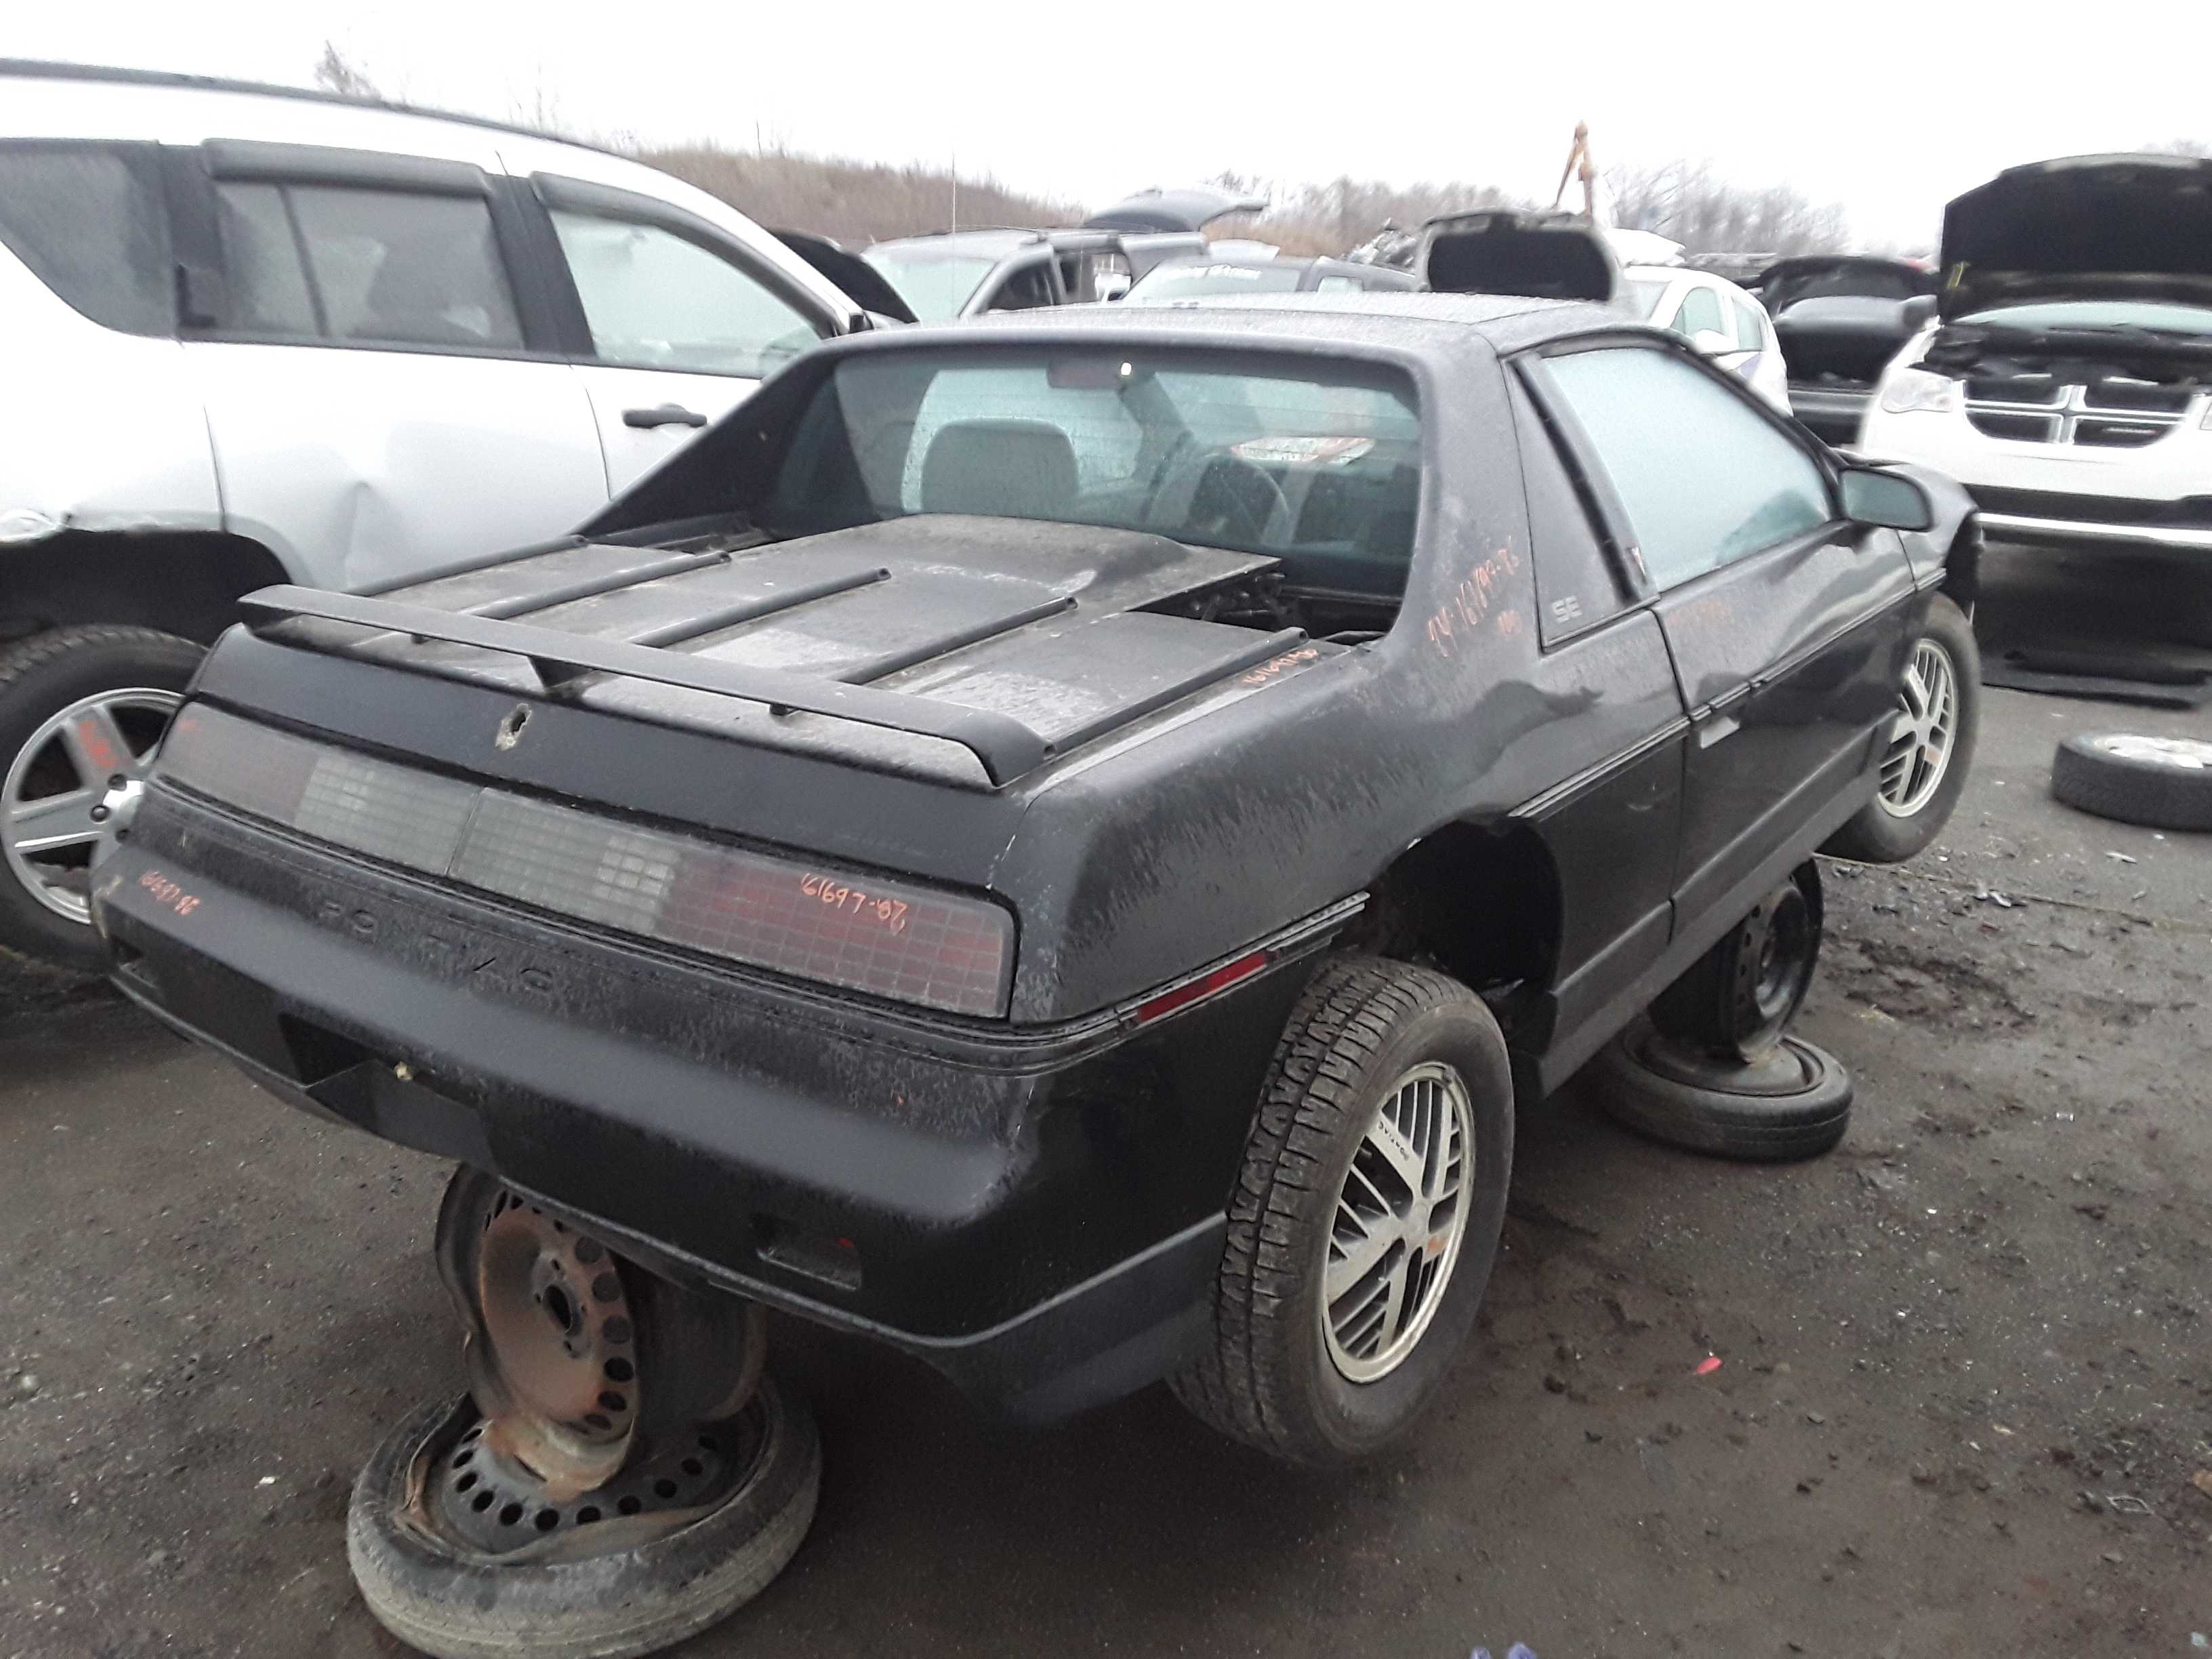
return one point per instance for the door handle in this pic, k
(1711, 729)
(666, 414)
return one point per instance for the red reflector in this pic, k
(1220, 979)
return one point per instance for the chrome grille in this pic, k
(2114, 412)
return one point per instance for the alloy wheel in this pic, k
(1401, 1217)
(53, 803)
(1924, 734)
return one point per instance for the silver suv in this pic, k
(256, 335)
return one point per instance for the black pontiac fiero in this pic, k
(1055, 843)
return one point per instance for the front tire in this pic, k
(1365, 1220)
(1929, 746)
(78, 706)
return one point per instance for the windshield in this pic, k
(934, 284)
(1187, 282)
(1247, 451)
(2159, 314)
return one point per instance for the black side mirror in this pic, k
(1884, 501)
(1918, 312)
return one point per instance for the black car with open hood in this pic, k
(1053, 844)
(1840, 318)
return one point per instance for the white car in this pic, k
(255, 336)
(1719, 319)
(2068, 381)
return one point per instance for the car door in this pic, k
(381, 396)
(1785, 623)
(675, 319)
(1612, 824)
(1029, 281)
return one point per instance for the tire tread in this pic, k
(1310, 1091)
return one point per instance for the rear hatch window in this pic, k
(1317, 463)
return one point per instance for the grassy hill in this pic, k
(852, 201)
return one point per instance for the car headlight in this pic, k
(1910, 389)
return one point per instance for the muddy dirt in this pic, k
(1964, 1403)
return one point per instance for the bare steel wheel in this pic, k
(557, 1372)
(1921, 736)
(1399, 1222)
(621, 1474)
(581, 1363)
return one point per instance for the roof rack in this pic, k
(1003, 746)
(39, 68)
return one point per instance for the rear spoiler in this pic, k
(1003, 746)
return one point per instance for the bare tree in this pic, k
(1707, 214)
(337, 73)
(1332, 217)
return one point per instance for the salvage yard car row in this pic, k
(1054, 837)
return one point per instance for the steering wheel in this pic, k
(1222, 495)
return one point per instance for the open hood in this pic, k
(2084, 227)
(1839, 276)
(1191, 209)
(1550, 256)
(861, 282)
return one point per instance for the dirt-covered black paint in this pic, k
(1034, 1201)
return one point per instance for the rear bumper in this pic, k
(1037, 1214)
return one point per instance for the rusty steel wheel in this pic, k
(621, 1474)
(581, 1362)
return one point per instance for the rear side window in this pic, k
(1577, 587)
(379, 267)
(1701, 309)
(1749, 333)
(1705, 479)
(89, 221)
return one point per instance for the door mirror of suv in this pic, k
(1885, 501)
(1711, 343)
(1917, 312)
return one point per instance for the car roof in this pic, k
(94, 104)
(998, 242)
(161, 106)
(1416, 323)
(1319, 263)
(1686, 273)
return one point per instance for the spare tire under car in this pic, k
(1793, 1102)
(621, 1474)
(2162, 782)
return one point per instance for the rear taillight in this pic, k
(890, 939)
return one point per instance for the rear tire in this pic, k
(1279, 1373)
(42, 917)
(1903, 818)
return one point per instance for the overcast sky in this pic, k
(1888, 108)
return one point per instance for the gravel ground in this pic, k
(1965, 1400)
